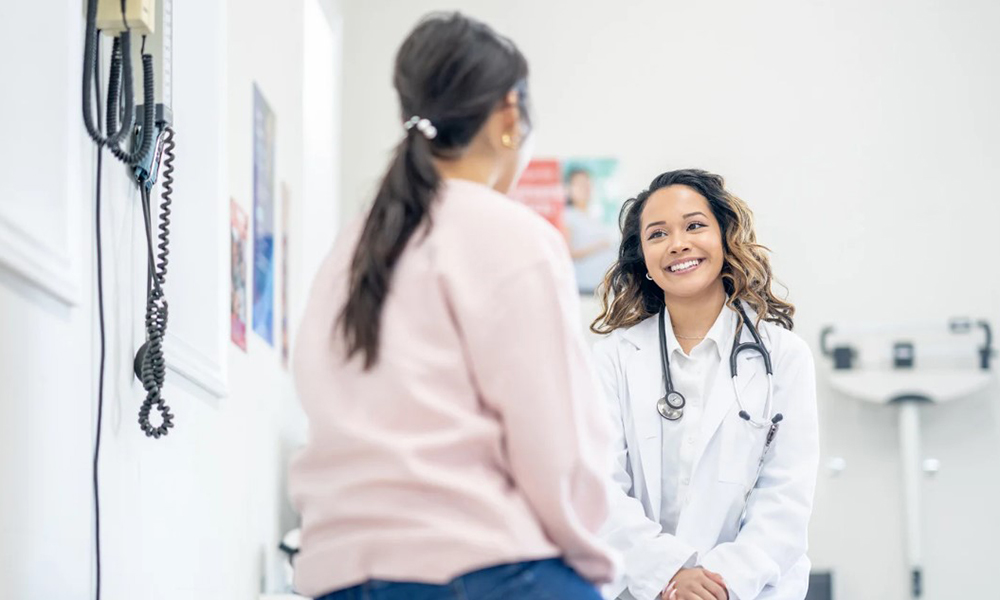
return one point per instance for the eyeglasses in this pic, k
(521, 87)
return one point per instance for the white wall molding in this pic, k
(47, 267)
(196, 366)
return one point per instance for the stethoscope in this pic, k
(671, 405)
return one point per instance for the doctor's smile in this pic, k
(682, 267)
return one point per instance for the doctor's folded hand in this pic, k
(695, 584)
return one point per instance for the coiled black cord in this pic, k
(148, 133)
(166, 196)
(153, 365)
(121, 73)
(114, 95)
(90, 67)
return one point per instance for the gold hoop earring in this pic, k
(507, 140)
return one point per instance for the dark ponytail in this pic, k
(452, 71)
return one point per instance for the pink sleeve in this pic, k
(532, 366)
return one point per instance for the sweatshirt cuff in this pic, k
(649, 585)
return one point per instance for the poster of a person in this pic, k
(592, 240)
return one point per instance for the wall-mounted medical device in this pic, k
(140, 135)
(909, 366)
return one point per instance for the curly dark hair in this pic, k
(627, 297)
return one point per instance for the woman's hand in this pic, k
(695, 584)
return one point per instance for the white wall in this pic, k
(292, 55)
(865, 137)
(198, 514)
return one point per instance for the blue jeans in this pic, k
(536, 580)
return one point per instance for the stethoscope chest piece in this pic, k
(671, 406)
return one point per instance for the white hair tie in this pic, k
(423, 126)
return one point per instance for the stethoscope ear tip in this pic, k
(777, 418)
(744, 415)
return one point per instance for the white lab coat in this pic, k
(766, 559)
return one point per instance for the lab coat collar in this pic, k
(643, 334)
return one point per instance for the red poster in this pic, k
(541, 189)
(238, 298)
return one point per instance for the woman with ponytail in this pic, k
(457, 447)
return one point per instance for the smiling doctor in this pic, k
(717, 447)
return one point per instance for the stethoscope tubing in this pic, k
(671, 406)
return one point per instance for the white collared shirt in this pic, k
(692, 375)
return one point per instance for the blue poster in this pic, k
(263, 217)
(593, 201)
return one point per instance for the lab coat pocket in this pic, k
(739, 451)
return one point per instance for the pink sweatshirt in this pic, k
(478, 438)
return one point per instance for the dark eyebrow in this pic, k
(687, 216)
